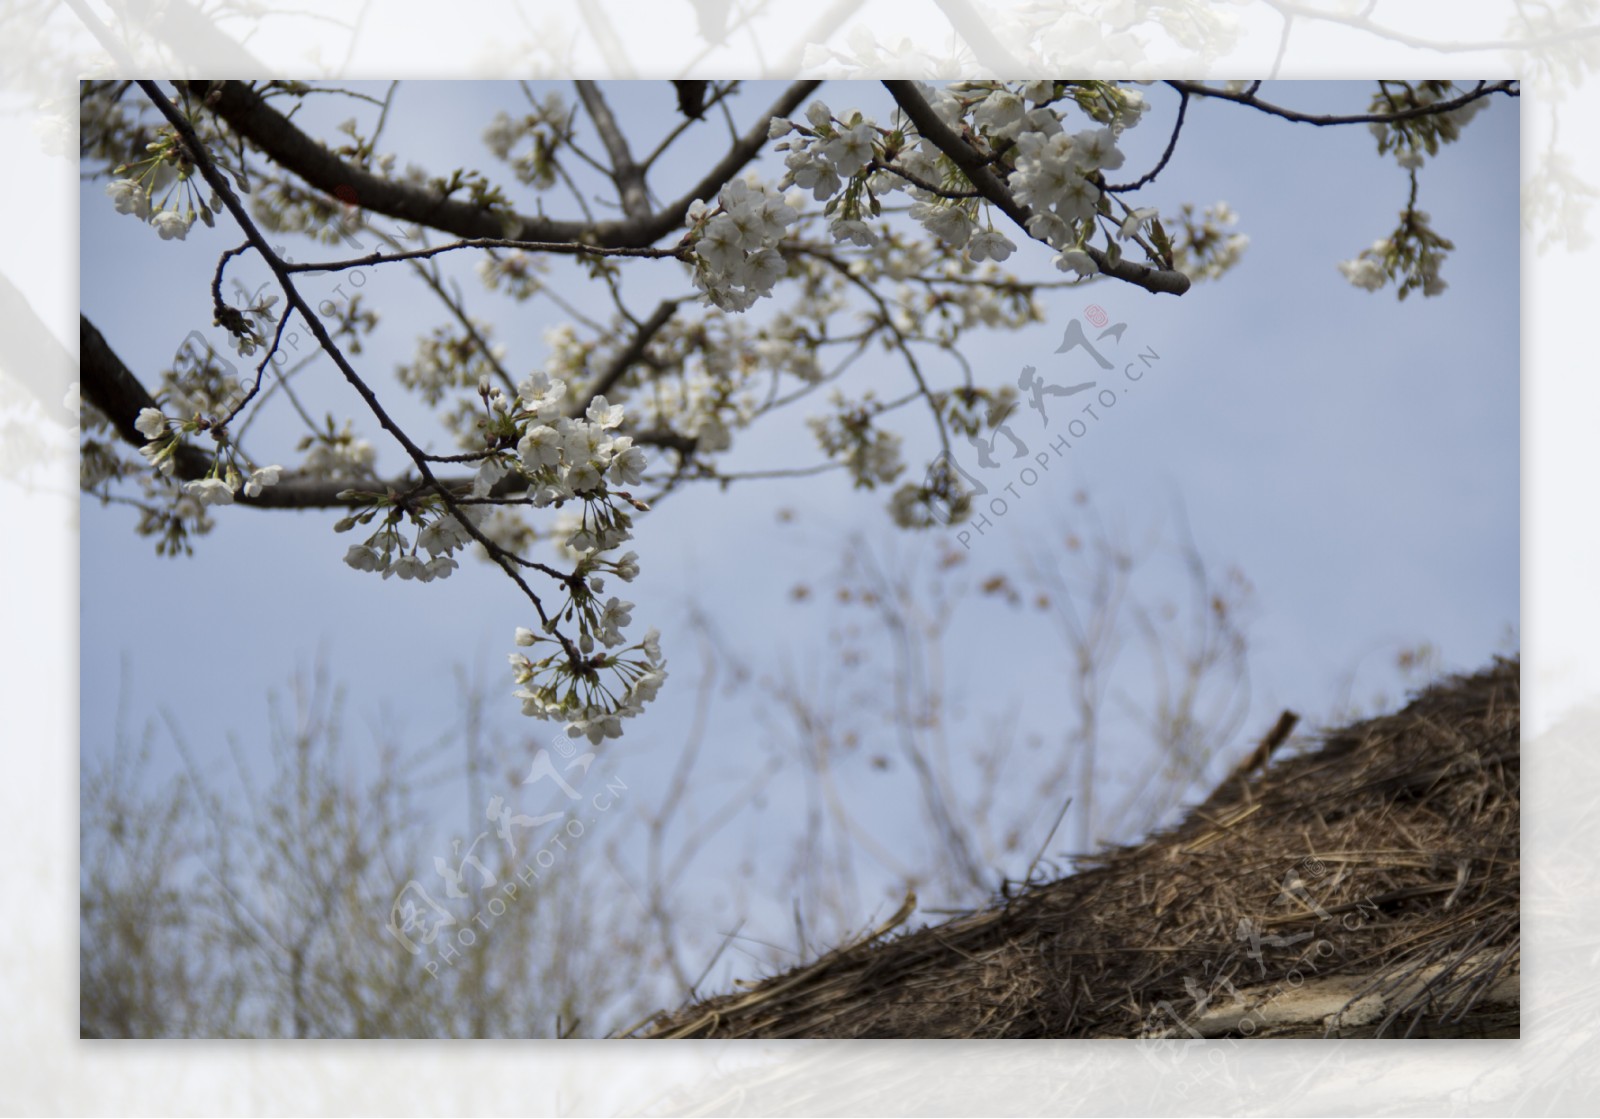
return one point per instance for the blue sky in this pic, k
(1356, 458)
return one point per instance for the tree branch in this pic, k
(106, 383)
(1322, 120)
(248, 114)
(506, 560)
(625, 173)
(112, 388)
(978, 172)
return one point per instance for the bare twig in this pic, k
(1172, 145)
(1322, 120)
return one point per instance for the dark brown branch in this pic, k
(625, 173)
(106, 383)
(248, 114)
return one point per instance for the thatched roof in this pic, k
(1368, 886)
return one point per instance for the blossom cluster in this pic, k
(851, 162)
(166, 166)
(164, 436)
(337, 454)
(1055, 177)
(942, 497)
(448, 359)
(570, 682)
(822, 157)
(704, 372)
(1206, 244)
(871, 454)
(439, 534)
(564, 458)
(830, 158)
(560, 459)
(1411, 255)
(544, 128)
(1366, 271)
(514, 271)
(735, 244)
(704, 406)
(1413, 138)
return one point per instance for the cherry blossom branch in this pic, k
(107, 384)
(224, 190)
(246, 112)
(974, 166)
(962, 154)
(113, 390)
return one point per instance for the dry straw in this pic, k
(1365, 886)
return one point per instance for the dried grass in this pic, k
(1368, 886)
